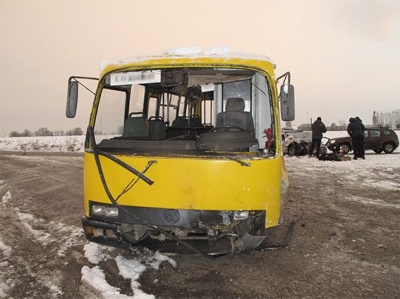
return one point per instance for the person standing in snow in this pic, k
(317, 128)
(356, 129)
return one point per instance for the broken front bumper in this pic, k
(134, 224)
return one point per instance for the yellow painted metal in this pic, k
(190, 183)
(178, 61)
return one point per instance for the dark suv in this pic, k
(377, 139)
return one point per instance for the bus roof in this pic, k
(191, 53)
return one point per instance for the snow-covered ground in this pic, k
(365, 171)
(128, 269)
(93, 277)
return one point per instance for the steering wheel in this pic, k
(227, 128)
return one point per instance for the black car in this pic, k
(377, 139)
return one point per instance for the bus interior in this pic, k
(185, 111)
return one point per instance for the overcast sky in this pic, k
(343, 54)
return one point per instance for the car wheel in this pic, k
(388, 147)
(378, 151)
(306, 149)
(344, 148)
(292, 149)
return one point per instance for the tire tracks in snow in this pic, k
(37, 251)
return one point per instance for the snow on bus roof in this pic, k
(192, 52)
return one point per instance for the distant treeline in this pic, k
(388, 119)
(46, 132)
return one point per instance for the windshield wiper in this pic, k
(236, 160)
(230, 157)
(134, 181)
(127, 167)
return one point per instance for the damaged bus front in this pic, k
(184, 147)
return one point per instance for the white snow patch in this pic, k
(388, 185)
(38, 228)
(95, 253)
(2, 184)
(51, 281)
(28, 220)
(6, 197)
(129, 268)
(155, 260)
(96, 278)
(3, 290)
(68, 236)
(374, 201)
(190, 52)
(6, 251)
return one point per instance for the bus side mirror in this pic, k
(72, 99)
(287, 102)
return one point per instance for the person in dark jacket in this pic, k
(356, 129)
(317, 128)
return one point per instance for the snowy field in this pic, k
(76, 143)
(43, 144)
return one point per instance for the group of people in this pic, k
(355, 129)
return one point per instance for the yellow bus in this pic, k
(185, 146)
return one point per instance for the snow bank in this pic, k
(192, 52)
(43, 144)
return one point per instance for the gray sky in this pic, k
(343, 54)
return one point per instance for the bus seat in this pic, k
(195, 121)
(136, 127)
(235, 116)
(180, 122)
(157, 128)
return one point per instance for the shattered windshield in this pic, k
(182, 110)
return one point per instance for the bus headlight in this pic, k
(105, 211)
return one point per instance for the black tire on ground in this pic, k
(388, 147)
(306, 149)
